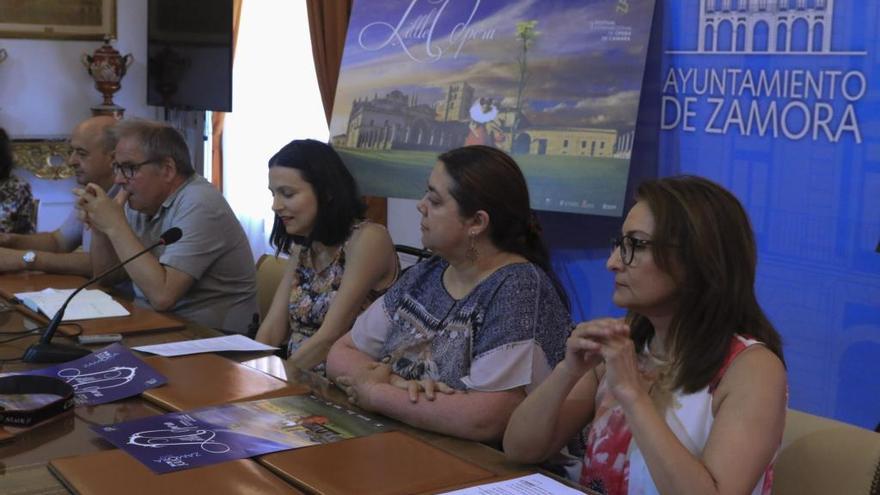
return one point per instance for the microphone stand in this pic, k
(46, 352)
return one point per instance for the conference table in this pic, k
(24, 459)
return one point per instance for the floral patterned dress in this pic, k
(311, 293)
(613, 463)
(16, 207)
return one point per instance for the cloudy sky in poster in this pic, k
(581, 73)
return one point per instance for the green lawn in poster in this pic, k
(574, 184)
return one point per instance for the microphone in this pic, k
(46, 352)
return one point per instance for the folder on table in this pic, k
(382, 464)
(114, 471)
(203, 380)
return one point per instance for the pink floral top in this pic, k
(613, 463)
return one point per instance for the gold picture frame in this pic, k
(58, 19)
(45, 158)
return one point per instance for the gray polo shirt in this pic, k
(213, 250)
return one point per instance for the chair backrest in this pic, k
(411, 252)
(820, 456)
(270, 269)
(35, 215)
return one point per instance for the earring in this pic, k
(472, 253)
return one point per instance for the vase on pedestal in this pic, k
(107, 67)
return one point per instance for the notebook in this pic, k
(87, 305)
(203, 380)
(142, 319)
(114, 471)
(392, 463)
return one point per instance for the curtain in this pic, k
(328, 24)
(218, 118)
(277, 99)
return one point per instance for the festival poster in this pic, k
(106, 375)
(178, 441)
(555, 83)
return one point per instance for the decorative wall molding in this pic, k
(45, 158)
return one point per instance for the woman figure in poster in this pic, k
(485, 315)
(688, 393)
(338, 262)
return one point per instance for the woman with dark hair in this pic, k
(16, 200)
(338, 262)
(485, 315)
(688, 393)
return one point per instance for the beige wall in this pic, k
(575, 142)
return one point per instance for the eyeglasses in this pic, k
(129, 169)
(628, 246)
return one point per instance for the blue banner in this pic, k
(777, 100)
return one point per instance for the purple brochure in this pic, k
(177, 441)
(106, 375)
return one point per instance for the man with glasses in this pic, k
(91, 155)
(208, 275)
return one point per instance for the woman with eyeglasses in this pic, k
(687, 394)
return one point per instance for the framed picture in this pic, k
(45, 158)
(58, 19)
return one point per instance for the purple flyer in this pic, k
(106, 375)
(177, 441)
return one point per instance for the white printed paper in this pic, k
(199, 346)
(533, 484)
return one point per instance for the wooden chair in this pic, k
(270, 269)
(35, 214)
(411, 255)
(820, 456)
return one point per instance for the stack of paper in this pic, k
(198, 346)
(87, 305)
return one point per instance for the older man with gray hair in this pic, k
(208, 276)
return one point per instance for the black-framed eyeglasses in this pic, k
(628, 246)
(129, 169)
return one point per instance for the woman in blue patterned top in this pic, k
(338, 263)
(461, 338)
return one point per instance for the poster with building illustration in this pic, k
(556, 83)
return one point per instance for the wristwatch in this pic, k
(29, 257)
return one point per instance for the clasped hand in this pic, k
(98, 210)
(360, 386)
(606, 340)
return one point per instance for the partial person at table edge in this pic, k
(16, 198)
